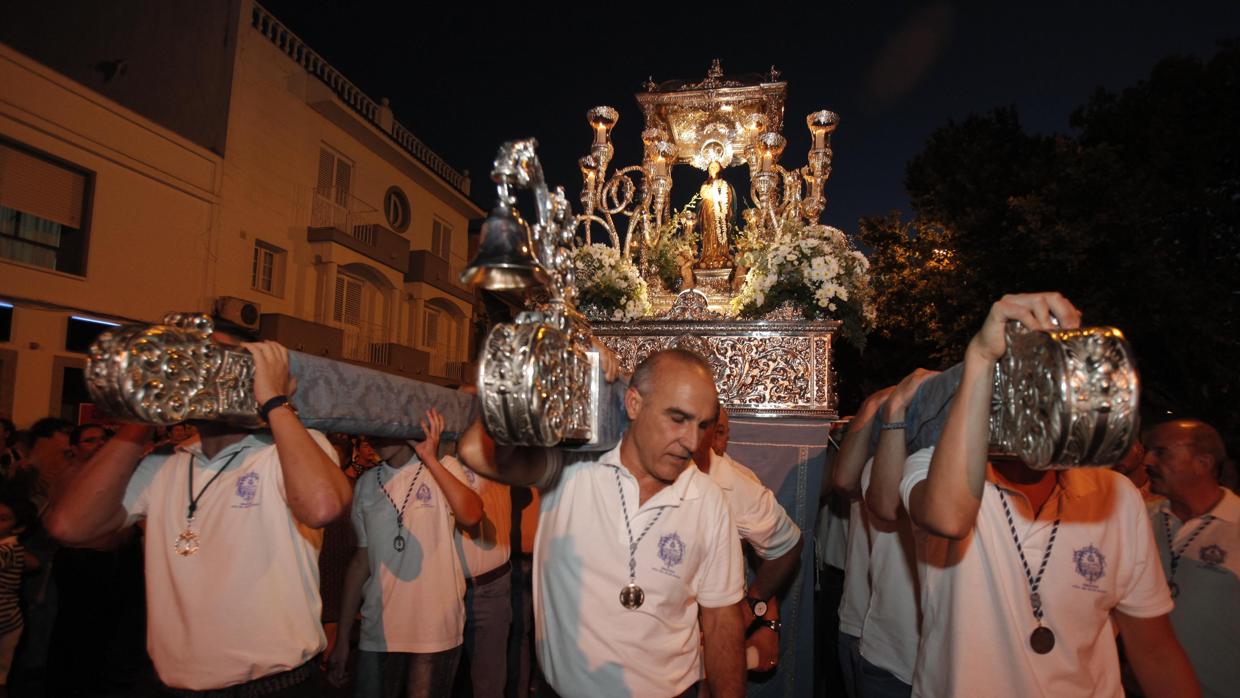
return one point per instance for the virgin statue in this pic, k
(715, 220)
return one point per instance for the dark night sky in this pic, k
(467, 77)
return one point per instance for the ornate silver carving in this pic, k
(164, 374)
(1065, 398)
(690, 305)
(535, 376)
(761, 368)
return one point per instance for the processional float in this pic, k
(1061, 398)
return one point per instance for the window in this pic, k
(42, 211)
(267, 270)
(335, 177)
(430, 328)
(6, 321)
(441, 239)
(348, 308)
(81, 332)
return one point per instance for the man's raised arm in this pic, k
(91, 503)
(947, 501)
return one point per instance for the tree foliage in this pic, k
(1134, 215)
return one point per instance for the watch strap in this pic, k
(757, 623)
(273, 403)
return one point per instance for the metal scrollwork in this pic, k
(761, 369)
(164, 374)
(1065, 398)
(536, 377)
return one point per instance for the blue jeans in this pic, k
(850, 663)
(391, 674)
(877, 682)
(488, 614)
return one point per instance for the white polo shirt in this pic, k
(590, 645)
(855, 600)
(487, 545)
(891, 631)
(1207, 610)
(759, 518)
(976, 614)
(247, 604)
(413, 600)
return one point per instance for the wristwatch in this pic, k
(273, 403)
(758, 606)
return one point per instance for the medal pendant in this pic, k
(187, 543)
(632, 596)
(1175, 589)
(1042, 640)
(399, 543)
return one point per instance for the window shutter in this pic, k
(41, 188)
(344, 173)
(431, 328)
(327, 166)
(338, 306)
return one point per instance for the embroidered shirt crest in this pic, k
(1090, 563)
(671, 549)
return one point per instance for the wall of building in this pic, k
(169, 61)
(172, 225)
(280, 118)
(151, 221)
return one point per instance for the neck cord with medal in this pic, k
(632, 596)
(1177, 554)
(1042, 640)
(187, 541)
(399, 541)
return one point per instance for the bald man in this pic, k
(636, 549)
(1197, 529)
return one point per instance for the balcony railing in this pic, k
(445, 367)
(333, 216)
(332, 208)
(366, 343)
(296, 49)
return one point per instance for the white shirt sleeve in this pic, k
(759, 517)
(458, 470)
(916, 469)
(720, 581)
(322, 443)
(1146, 594)
(137, 493)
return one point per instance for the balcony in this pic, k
(363, 346)
(366, 343)
(432, 269)
(302, 335)
(334, 216)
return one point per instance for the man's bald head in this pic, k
(653, 366)
(1201, 438)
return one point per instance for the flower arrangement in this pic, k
(677, 245)
(816, 270)
(608, 285)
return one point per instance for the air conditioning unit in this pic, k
(238, 311)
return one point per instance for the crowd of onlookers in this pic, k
(73, 620)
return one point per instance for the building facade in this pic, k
(160, 157)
